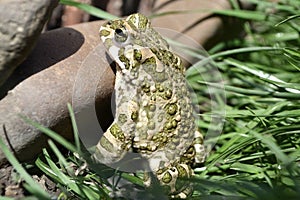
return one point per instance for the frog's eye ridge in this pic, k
(121, 35)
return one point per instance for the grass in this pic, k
(255, 100)
(257, 155)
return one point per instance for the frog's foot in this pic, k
(184, 194)
(174, 180)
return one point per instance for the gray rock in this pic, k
(53, 75)
(21, 23)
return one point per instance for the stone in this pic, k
(21, 23)
(44, 84)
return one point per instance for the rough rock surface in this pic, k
(70, 65)
(46, 83)
(21, 23)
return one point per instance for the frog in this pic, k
(154, 115)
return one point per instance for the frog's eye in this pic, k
(121, 35)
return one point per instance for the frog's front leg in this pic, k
(112, 146)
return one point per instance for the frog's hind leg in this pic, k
(112, 146)
(195, 154)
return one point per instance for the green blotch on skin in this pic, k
(172, 109)
(117, 132)
(116, 24)
(168, 94)
(134, 116)
(172, 146)
(108, 42)
(143, 22)
(104, 33)
(169, 56)
(145, 86)
(190, 153)
(149, 64)
(159, 87)
(123, 58)
(181, 171)
(125, 61)
(152, 107)
(167, 178)
(160, 76)
(132, 21)
(122, 118)
(107, 145)
(137, 55)
(160, 171)
(174, 123)
(198, 140)
(168, 125)
(150, 115)
(151, 125)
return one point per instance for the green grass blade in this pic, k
(7, 198)
(73, 183)
(287, 19)
(75, 128)
(62, 160)
(270, 142)
(47, 170)
(242, 14)
(192, 71)
(295, 54)
(61, 140)
(89, 9)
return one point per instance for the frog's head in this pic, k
(125, 38)
(129, 40)
(119, 32)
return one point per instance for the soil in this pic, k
(11, 185)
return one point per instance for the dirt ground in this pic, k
(11, 185)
